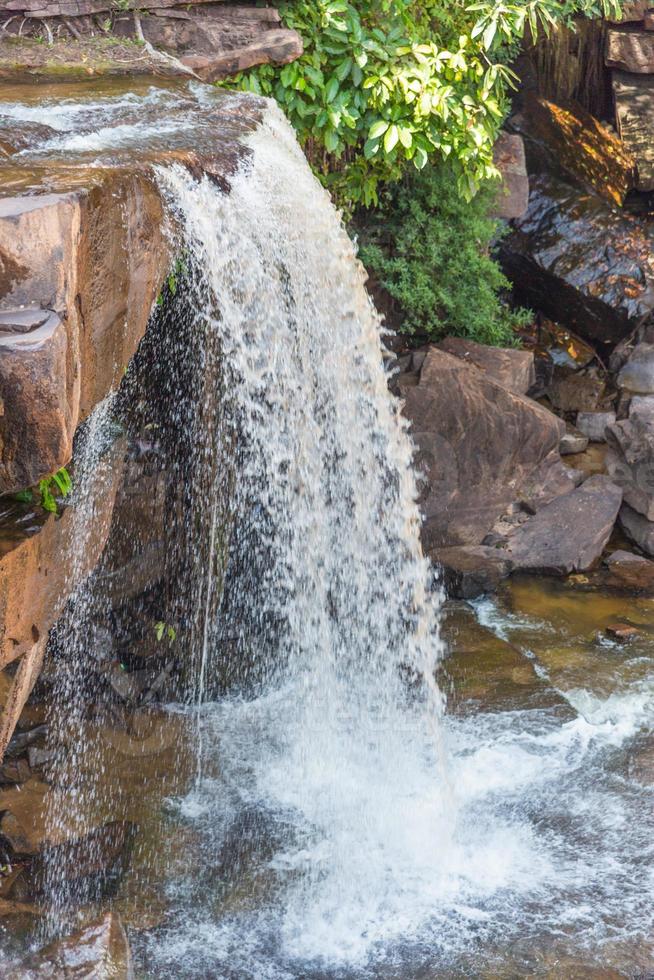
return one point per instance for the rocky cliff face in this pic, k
(85, 250)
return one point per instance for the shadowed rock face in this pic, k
(559, 256)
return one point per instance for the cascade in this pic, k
(296, 804)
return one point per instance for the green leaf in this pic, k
(391, 138)
(377, 129)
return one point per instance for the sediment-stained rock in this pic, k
(633, 96)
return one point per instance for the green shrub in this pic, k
(430, 250)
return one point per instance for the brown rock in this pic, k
(622, 632)
(509, 157)
(630, 50)
(469, 572)
(570, 533)
(91, 264)
(575, 392)
(630, 460)
(638, 529)
(480, 447)
(21, 688)
(573, 441)
(631, 572)
(509, 368)
(558, 256)
(565, 139)
(23, 822)
(98, 952)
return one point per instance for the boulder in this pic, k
(630, 50)
(509, 368)
(471, 571)
(480, 448)
(20, 689)
(594, 424)
(99, 951)
(572, 441)
(633, 96)
(582, 261)
(567, 141)
(638, 529)
(509, 157)
(631, 571)
(630, 460)
(570, 533)
(637, 375)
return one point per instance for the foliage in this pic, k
(162, 629)
(47, 490)
(383, 83)
(427, 247)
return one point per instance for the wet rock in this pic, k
(509, 368)
(594, 424)
(469, 572)
(630, 50)
(90, 866)
(572, 441)
(638, 529)
(98, 952)
(509, 157)
(622, 632)
(637, 375)
(634, 108)
(631, 571)
(480, 448)
(570, 533)
(630, 460)
(565, 139)
(559, 256)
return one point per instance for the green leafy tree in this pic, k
(426, 247)
(386, 83)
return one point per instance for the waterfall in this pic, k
(328, 626)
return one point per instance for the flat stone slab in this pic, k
(570, 533)
(634, 108)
